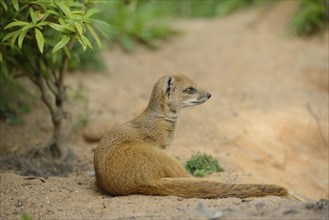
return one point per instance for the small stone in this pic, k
(323, 203)
(180, 199)
(19, 203)
(91, 173)
(310, 205)
(202, 211)
(79, 183)
(290, 211)
(260, 205)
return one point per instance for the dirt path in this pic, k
(266, 122)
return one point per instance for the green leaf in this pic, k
(86, 41)
(14, 37)
(9, 35)
(53, 12)
(77, 12)
(26, 27)
(83, 44)
(64, 9)
(95, 36)
(43, 17)
(1, 58)
(4, 5)
(15, 4)
(61, 43)
(78, 27)
(69, 27)
(32, 15)
(91, 12)
(16, 23)
(21, 38)
(61, 21)
(43, 23)
(57, 27)
(40, 39)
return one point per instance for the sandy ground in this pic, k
(267, 122)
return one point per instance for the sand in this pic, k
(267, 122)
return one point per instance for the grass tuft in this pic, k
(311, 18)
(26, 217)
(202, 165)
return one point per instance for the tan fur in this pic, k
(130, 158)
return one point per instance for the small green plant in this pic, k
(202, 165)
(26, 217)
(205, 8)
(311, 17)
(229, 6)
(135, 21)
(36, 42)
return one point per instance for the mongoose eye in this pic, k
(190, 90)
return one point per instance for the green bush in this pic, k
(14, 101)
(142, 21)
(204, 8)
(311, 17)
(36, 41)
(202, 165)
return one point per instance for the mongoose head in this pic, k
(176, 91)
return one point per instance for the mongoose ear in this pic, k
(168, 84)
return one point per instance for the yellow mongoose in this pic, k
(130, 158)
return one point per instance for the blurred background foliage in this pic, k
(147, 21)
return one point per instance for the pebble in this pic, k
(91, 173)
(260, 205)
(290, 211)
(202, 211)
(323, 203)
(19, 203)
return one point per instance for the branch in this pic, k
(45, 98)
(25, 73)
(316, 118)
(64, 66)
(51, 86)
(53, 73)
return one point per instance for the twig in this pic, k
(316, 118)
(51, 86)
(63, 69)
(45, 98)
(24, 73)
(34, 177)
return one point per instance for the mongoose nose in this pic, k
(208, 95)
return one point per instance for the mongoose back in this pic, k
(130, 158)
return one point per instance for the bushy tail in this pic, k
(202, 188)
